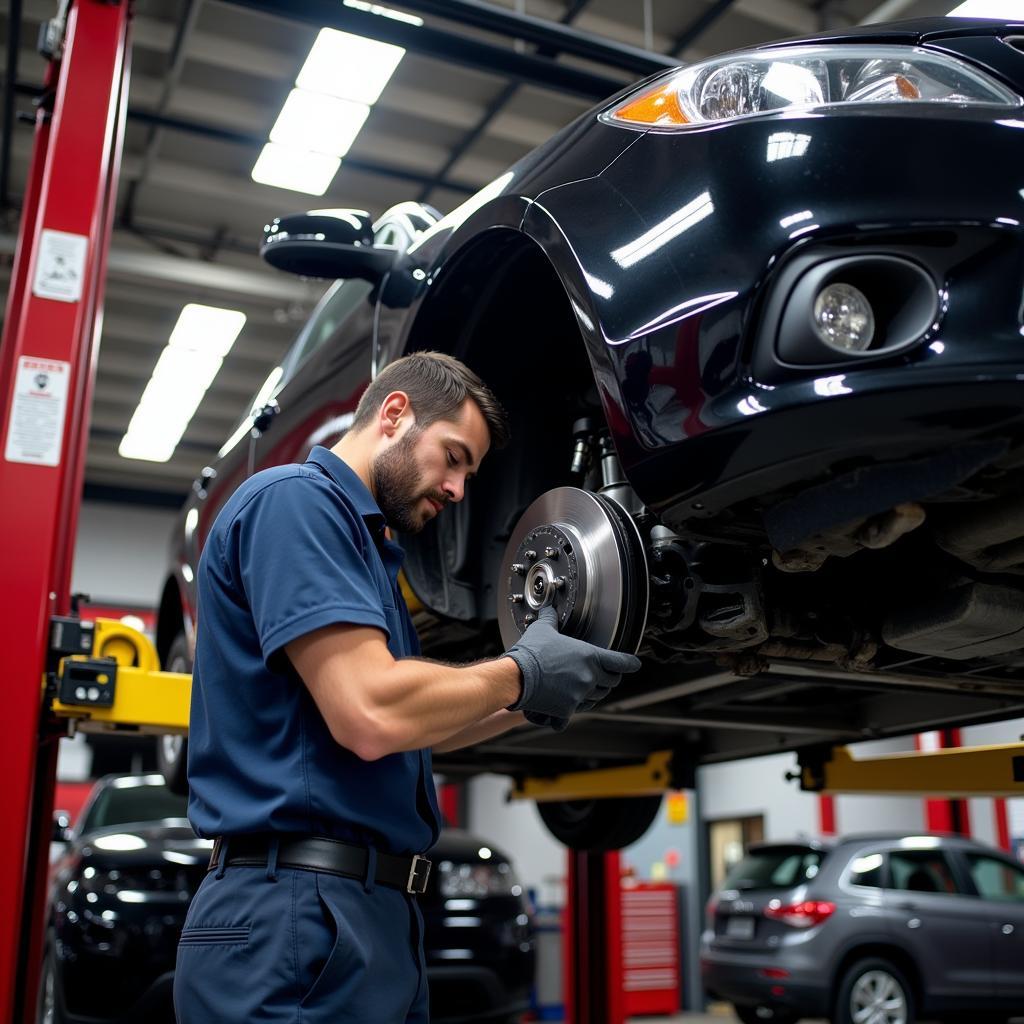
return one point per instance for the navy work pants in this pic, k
(299, 946)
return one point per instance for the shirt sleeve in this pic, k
(301, 563)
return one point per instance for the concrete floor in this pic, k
(723, 1016)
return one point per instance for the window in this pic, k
(335, 308)
(121, 804)
(996, 879)
(775, 868)
(866, 870)
(921, 871)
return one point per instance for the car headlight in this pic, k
(476, 880)
(760, 82)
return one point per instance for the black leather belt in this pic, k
(320, 853)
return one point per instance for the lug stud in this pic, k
(558, 582)
(529, 617)
(518, 568)
(515, 598)
(551, 552)
(531, 555)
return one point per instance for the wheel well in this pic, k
(894, 954)
(501, 308)
(170, 620)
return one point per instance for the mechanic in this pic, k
(312, 719)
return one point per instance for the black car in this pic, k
(758, 326)
(873, 929)
(121, 889)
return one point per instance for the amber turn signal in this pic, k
(659, 105)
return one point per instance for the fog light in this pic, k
(843, 318)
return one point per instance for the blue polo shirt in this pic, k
(294, 549)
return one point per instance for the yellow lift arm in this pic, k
(118, 686)
(654, 776)
(957, 772)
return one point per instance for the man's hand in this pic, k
(561, 673)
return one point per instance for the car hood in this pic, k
(908, 32)
(171, 840)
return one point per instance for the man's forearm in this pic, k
(494, 725)
(423, 703)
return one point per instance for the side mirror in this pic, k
(61, 827)
(326, 243)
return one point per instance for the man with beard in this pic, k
(313, 720)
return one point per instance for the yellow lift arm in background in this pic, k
(118, 686)
(956, 772)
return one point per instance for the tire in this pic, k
(764, 1015)
(874, 980)
(48, 1002)
(597, 826)
(172, 751)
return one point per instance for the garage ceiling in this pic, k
(208, 81)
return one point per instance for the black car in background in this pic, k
(874, 929)
(757, 323)
(122, 886)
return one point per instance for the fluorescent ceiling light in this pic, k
(384, 12)
(185, 369)
(1003, 10)
(146, 449)
(207, 328)
(295, 169)
(350, 67)
(187, 366)
(318, 123)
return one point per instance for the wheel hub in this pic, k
(580, 553)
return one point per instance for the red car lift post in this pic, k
(47, 364)
(592, 940)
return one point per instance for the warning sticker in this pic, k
(60, 267)
(35, 428)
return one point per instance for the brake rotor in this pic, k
(582, 553)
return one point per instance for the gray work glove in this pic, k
(594, 698)
(561, 673)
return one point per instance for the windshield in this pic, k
(775, 868)
(125, 801)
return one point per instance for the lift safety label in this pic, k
(60, 266)
(35, 429)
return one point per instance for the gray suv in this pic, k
(879, 929)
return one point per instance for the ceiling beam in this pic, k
(133, 496)
(490, 113)
(209, 276)
(794, 17)
(169, 83)
(541, 32)
(442, 45)
(696, 28)
(887, 11)
(256, 141)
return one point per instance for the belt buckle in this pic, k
(419, 872)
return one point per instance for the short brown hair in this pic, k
(437, 386)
